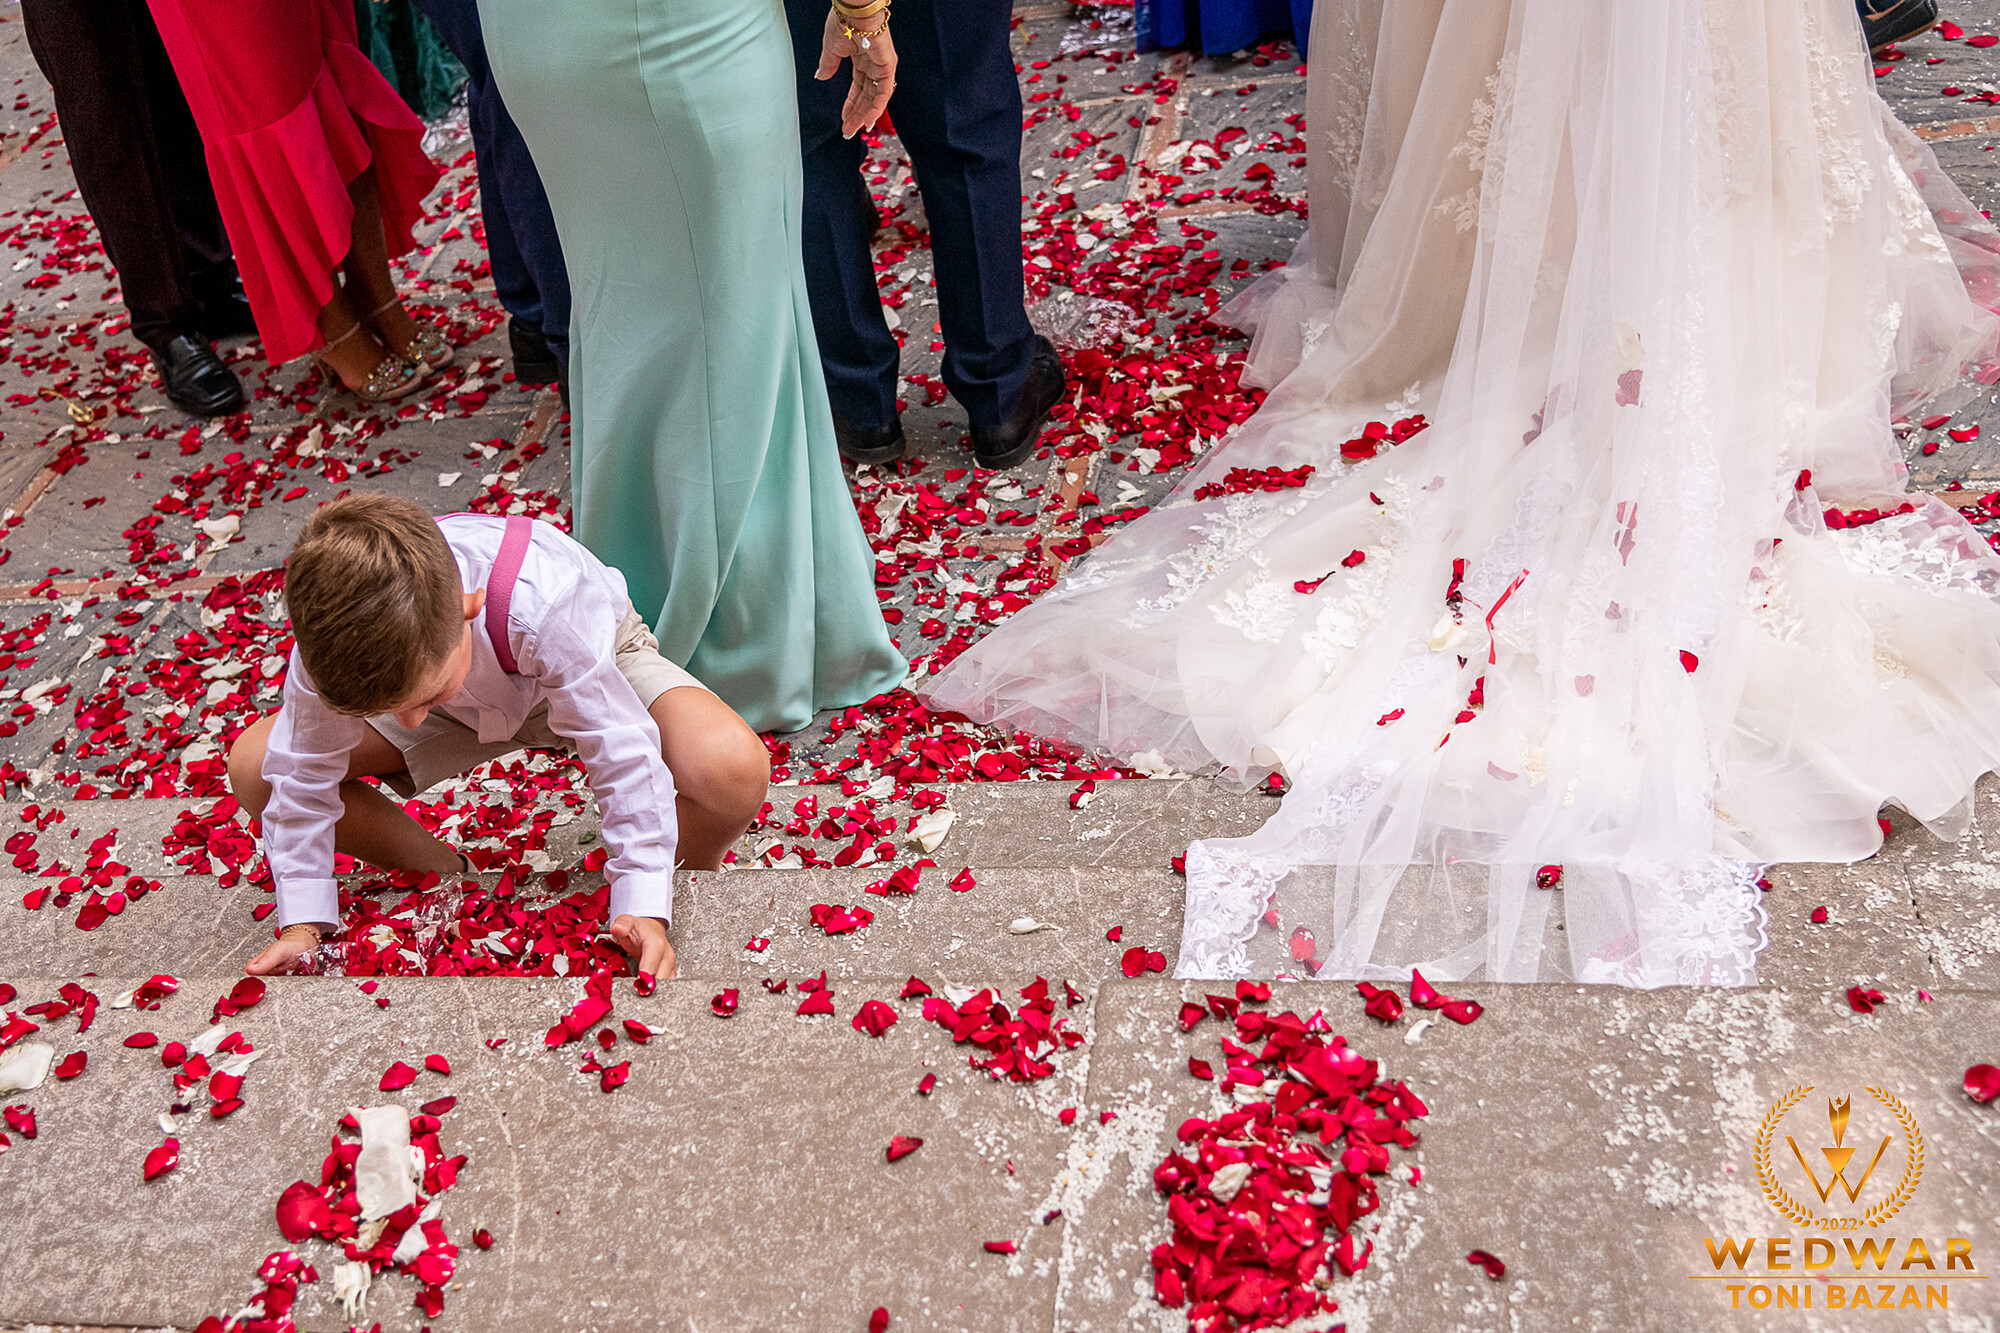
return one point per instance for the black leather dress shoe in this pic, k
(869, 444)
(1015, 438)
(195, 379)
(534, 362)
(1887, 22)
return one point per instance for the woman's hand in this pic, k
(874, 70)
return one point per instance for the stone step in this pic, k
(1134, 823)
(1589, 1137)
(1938, 926)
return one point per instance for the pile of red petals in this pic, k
(1387, 1005)
(1017, 1043)
(1246, 480)
(1376, 436)
(329, 1210)
(837, 920)
(1262, 1197)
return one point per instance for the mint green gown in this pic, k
(703, 459)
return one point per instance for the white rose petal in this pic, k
(23, 1068)
(383, 1177)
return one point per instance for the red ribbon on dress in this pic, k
(1492, 644)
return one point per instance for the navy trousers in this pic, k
(521, 244)
(957, 109)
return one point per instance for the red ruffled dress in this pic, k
(290, 111)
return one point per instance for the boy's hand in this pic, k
(645, 938)
(279, 955)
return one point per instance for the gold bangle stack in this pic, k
(848, 15)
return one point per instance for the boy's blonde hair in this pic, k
(375, 600)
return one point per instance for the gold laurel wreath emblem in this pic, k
(1760, 1157)
(1913, 1161)
(1781, 1199)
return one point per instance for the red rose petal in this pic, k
(439, 1106)
(1190, 1015)
(1115, 934)
(962, 881)
(1383, 1004)
(1982, 1084)
(163, 1158)
(1001, 1247)
(437, 1064)
(1423, 994)
(1549, 877)
(1201, 1069)
(925, 1085)
(71, 1065)
(1818, 916)
(1863, 1001)
(902, 1146)
(878, 1322)
(140, 1041)
(913, 989)
(223, 1108)
(172, 1054)
(722, 1006)
(615, 1076)
(637, 1031)
(303, 1212)
(1462, 1011)
(645, 983)
(1066, 1116)
(1304, 946)
(1134, 961)
(1253, 992)
(1689, 661)
(819, 1002)
(875, 1018)
(1156, 961)
(758, 943)
(1494, 1268)
(1982, 41)
(398, 1075)
(483, 1238)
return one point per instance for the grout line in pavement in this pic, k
(1938, 131)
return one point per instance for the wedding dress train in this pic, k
(1622, 595)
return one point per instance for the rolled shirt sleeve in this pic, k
(573, 657)
(305, 762)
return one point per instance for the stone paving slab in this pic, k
(1590, 1137)
(736, 1182)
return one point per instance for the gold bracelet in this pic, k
(861, 38)
(318, 937)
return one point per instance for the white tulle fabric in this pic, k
(1642, 263)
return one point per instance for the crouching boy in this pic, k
(427, 647)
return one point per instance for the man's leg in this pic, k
(957, 109)
(372, 827)
(98, 56)
(93, 53)
(521, 242)
(856, 349)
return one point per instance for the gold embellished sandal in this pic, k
(428, 347)
(391, 379)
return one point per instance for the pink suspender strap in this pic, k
(500, 586)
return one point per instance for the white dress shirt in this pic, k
(562, 622)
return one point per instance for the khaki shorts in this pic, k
(443, 747)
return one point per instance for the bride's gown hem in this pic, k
(1658, 274)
